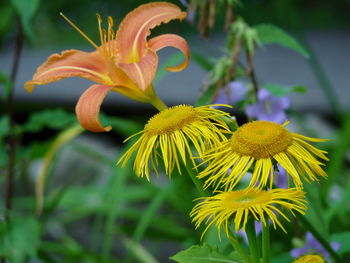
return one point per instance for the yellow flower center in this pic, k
(310, 259)
(245, 198)
(170, 120)
(261, 139)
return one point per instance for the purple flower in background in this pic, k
(190, 12)
(281, 177)
(268, 107)
(234, 92)
(313, 246)
(258, 229)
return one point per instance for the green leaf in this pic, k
(220, 69)
(202, 254)
(343, 239)
(55, 119)
(6, 83)
(125, 127)
(280, 91)
(173, 60)
(206, 96)
(7, 16)
(202, 61)
(147, 219)
(271, 34)
(26, 10)
(4, 126)
(138, 251)
(19, 238)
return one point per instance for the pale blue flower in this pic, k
(269, 107)
(281, 177)
(313, 246)
(231, 94)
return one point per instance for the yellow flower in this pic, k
(126, 61)
(311, 258)
(168, 133)
(238, 206)
(263, 143)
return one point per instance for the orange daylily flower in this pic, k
(125, 62)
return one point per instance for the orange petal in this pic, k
(88, 108)
(171, 40)
(136, 26)
(143, 72)
(70, 63)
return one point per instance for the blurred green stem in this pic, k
(11, 152)
(252, 240)
(321, 77)
(237, 246)
(251, 72)
(158, 104)
(266, 243)
(193, 175)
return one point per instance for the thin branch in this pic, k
(11, 141)
(251, 72)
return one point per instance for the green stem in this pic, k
(320, 238)
(237, 246)
(195, 180)
(158, 103)
(321, 76)
(266, 243)
(252, 240)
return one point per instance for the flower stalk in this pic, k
(266, 242)
(12, 137)
(158, 104)
(252, 240)
(237, 246)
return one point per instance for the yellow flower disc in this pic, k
(312, 258)
(261, 139)
(171, 119)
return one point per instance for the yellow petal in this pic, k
(134, 29)
(88, 108)
(171, 40)
(70, 63)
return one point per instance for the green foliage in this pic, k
(271, 34)
(206, 96)
(7, 15)
(124, 126)
(7, 85)
(241, 31)
(343, 240)
(203, 254)
(26, 10)
(173, 60)
(19, 239)
(203, 61)
(341, 145)
(138, 251)
(56, 119)
(280, 91)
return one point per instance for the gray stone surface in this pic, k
(274, 65)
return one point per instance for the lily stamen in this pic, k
(79, 30)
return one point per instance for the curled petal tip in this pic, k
(171, 40)
(88, 108)
(135, 28)
(29, 86)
